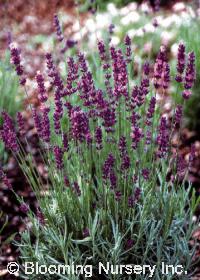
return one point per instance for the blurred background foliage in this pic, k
(121, 3)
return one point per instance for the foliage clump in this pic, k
(115, 183)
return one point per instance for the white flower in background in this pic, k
(111, 8)
(62, 67)
(133, 6)
(140, 32)
(191, 12)
(149, 28)
(178, 7)
(90, 25)
(170, 21)
(130, 18)
(115, 40)
(174, 49)
(93, 39)
(167, 37)
(118, 28)
(66, 18)
(132, 33)
(148, 47)
(145, 8)
(103, 20)
(96, 27)
(124, 11)
(76, 26)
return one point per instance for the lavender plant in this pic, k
(115, 183)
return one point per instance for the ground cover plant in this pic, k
(116, 186)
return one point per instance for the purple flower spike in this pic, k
(178, 115)
(40, 217)
(180, 63)
(6, 182)
(72, 76)
(151, 111)
(108, 166)
(109, 119)
(86, 232)
(119, 73)
(148, 137)
(127, 42)
(111, 28)
(58, 154)
(8, 133)
(134, 97)
(163, 138)
(69, 44)
(122, 145)
(54, 75)
(144, 89)
(155, 22)
(131, 201)
(98, 138)
(79, 124)
(145, 173)
(146, 68)
(20, 122)
(126, 162)
(137, 194)
(118, 195)
(41, 88)
(65, 142)
(46, 130)
(58, 113)
(58, 28)
(66, 181)
(88, 138)
(113, 180)
(159, 67)
(136, 135)
(82, 63)
(37, 122)
(190, 74)
(102, 50)
(186, 94)
(16, 61)
(77, 189)
(181, 167)
(24, 208)
(166, 75)
(129, 244)
(157, 5)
